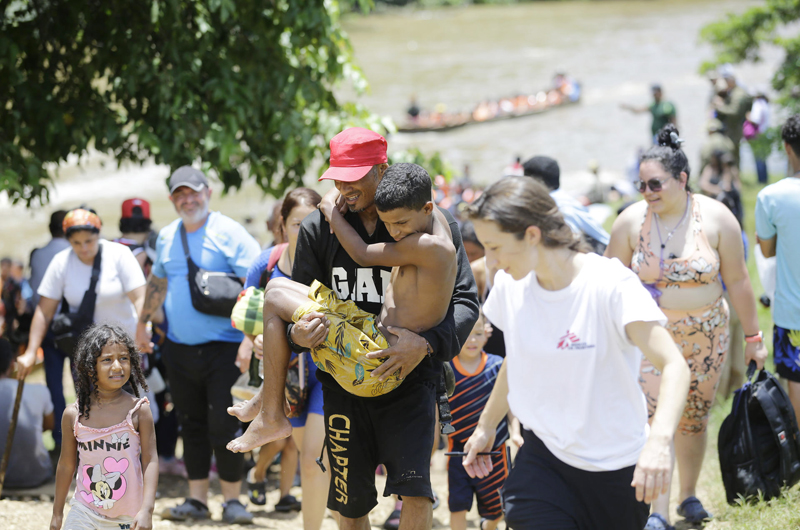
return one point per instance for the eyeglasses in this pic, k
(654, 185)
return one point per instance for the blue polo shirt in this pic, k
(221, 245)
(778, 214)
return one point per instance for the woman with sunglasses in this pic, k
(679, 244)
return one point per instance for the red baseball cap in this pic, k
(135, 208)
(353, 153)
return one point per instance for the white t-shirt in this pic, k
(573, 373)
(120, 273)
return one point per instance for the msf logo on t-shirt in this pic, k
(363, 289)
(571, 341)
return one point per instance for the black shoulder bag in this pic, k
(67, 326)
(213, 293)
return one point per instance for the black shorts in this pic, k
(396, 430)
(542, 492)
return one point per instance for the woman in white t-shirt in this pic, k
(120, 286)
(575, 327)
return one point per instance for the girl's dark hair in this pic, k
(669, 154)
(89, 348)
(297, 197)
(515, 203)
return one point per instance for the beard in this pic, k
(195, 217)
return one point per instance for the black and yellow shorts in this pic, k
(353, 333)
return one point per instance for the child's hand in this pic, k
(143, 521)
(55, 522)
(328, 204)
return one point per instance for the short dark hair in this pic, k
(790, 133)
(6, 355)
(403, 186)
(56, 223)
(468, 233)
(545, 169)
(669, 154)
(135, 225)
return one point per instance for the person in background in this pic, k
(308, 430)
(29, 464)
(200, 349)
(472, 246)
(120, 287)
(274, 226)
(778, 233)
(475, 375)
(14, 303)
(759, 120)
(663, 111)
(53, 357)
(720, 180)
(515, 168)
(681, 245)
(577, 216)
(135, 226)
(716, 141)
(732, 107)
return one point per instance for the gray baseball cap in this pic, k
(189, 177)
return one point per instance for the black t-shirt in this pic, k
(320, 256)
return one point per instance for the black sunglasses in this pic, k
(654, 185)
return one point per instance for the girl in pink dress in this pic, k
(111, 433)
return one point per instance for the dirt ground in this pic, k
(30, 513)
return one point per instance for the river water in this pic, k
(458, 56)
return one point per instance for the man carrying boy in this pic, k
(396, 429)
(778, 231)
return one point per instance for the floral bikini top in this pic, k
(701, 267)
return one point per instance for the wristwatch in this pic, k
(292, 346)
(758, 337)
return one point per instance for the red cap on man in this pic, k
(353, 153)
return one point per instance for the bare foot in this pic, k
(260, 432)
(246, 410)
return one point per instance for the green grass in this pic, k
(778, 514)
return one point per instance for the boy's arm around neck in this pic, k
(447, 338)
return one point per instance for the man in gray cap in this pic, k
(200, 348)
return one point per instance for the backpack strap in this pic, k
(275, 255)
(769, 393)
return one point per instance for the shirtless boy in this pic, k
(417, 298)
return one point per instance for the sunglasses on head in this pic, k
(654, 185)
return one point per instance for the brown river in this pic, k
(457, 57)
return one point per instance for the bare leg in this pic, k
(458, 520)
(281, 300)
(288, 466)
(660, 504)
(417, 514)
(362, 523)
(689, 451)
(265, 457)
(491, 524)
(315, 482)
(794, 397)
(198, 490)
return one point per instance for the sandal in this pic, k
(656, 521)
(393, 522)
(692, 510)
(257, 492)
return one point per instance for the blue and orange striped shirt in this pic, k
(470, 397)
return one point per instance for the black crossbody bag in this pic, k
(213, 293)
(67, 325)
